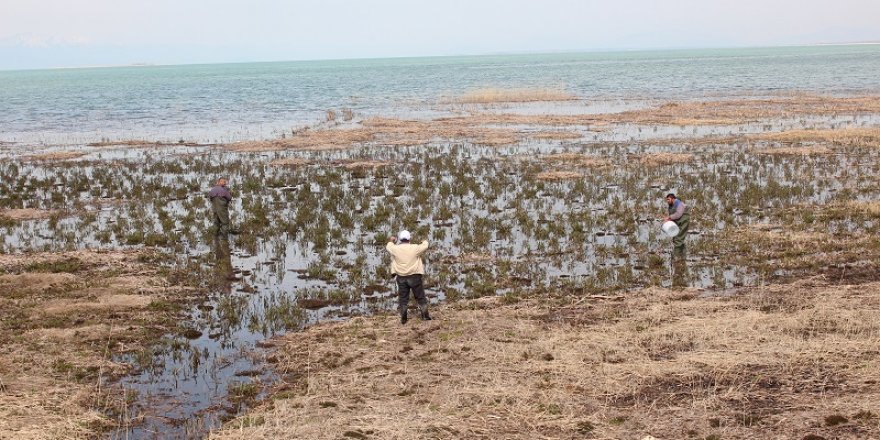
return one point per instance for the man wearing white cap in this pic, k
(406, 264)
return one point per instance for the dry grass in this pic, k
(61, 313)
(772, 362)
(864, 137)
(289, 162)
(310, 140)
(125, 143)
(574, 159)
(812, 150)
(558, 175)
(870, 207)
(658, 159)
(27, 214)
(494, 95)
(556, 135)
(740, 111)
(56, 156)
(364, 164)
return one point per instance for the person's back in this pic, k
(407, 266)
(220, 198)
(406, 258)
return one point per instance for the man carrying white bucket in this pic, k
(678, 213)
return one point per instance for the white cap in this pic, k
(404, 235)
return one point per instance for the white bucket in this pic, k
(670, 228)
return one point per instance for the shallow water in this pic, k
(226, 102)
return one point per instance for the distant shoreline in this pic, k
(491, 54)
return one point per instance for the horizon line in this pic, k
(484, 54)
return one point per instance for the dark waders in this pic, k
(220, 208)
(404, 286)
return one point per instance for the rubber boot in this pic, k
(403, 317)
(425, 315)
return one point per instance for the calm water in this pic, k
(225, 102)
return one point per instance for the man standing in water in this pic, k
(407, 266)
(220, 198)
(678, 213)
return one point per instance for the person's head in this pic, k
(404, 236)
(670, 198)
(221, 181)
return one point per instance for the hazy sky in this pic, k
(59, 33)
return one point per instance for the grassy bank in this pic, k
(63, 314)
(782, 361)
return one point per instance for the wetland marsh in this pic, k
(124, 317)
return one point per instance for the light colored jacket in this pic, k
(406, 258)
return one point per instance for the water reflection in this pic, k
(224, 274)
(680, 272)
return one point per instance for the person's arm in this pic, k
(422, 247)
(227, 194)
(390, 245)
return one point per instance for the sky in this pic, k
(77, 33)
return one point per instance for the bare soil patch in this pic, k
(770, 362)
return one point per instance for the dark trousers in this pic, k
(220, 210)
(413, 283)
